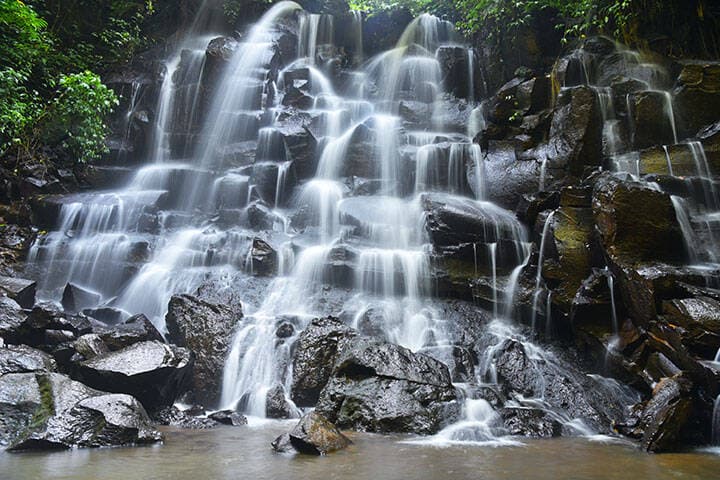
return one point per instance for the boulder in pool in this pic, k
(313, 435)
(153, 372)
(51, 411)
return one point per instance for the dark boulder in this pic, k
(697, 97)
(576, 131)
(635, 222)
(90, 346)
(133, 330)
(173, 416)
(276, 405)
(652, 122)
(228, 417)
(666, 414)
(699, 319)
(381, 387)
(317, 349)
(561, 385)
(263, 259)
(313, 435)
(452, 220)
(75, 298)
(282, 444)
(11, 319)
(530, 422)
(51, 411)
(153, 372)
(19, 289)
(24, 359)
(206, 329)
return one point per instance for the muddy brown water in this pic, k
(244, 453)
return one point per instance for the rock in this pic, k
(282, 444)
(75, 298)
(19, 289)
(205, 328)
(175, 417)
(317, 349)
(381, 387)
(666, 414)
(700, 322)
(133, 330)
(154, 373)
(228, 417)
(11, 319)
(316, 435)
(90, 346)
(530, 422)
(50, 411)
(24, 359)
(576, 131)
(636, 223)
(455, 69)
(651, 120)
(558, 382)
(285, 330)
(263, 259)
(697, 97)
(568, 257)
(276, 406)
(452, 220)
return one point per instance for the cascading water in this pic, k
(351, 215)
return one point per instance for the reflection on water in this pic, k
(244, 453)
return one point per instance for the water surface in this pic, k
(244, 453)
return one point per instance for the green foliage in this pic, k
(76, 115)
(43, 104)
(22, 31)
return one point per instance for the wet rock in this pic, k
(381, 387)
(315, 435)
(24, 359)
(206, 329)
(568, 258)
(455, 69)
(173, 416)
(133, 330)
(700, 322)
(653, 125)
(228, 417)
(282, 444)
(371, 323)
(285, 330)
(276, 406)
(75, 298)
(458, 359)
(90, 346)
(666, 414)
(558, 382)
(300, 146)
(11, 319)
(530, 422)
(576, 131)
(636, 222)
(263, 258)
(317, 349)
(534, 95)
(47, 326)
(697, 97)
(19, 289)
(454, 220)
(51, 411)
(643, 287)
(260, 217)
(154, 373)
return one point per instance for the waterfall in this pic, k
(538, 275)
(348, 217)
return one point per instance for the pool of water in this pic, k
(244, 453)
